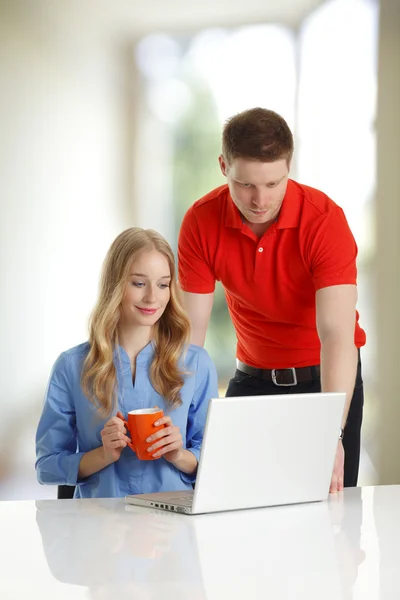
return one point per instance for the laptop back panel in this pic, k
(267, 450)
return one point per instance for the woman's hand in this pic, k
(167, 442)
(114, 438)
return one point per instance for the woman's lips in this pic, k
(147, 311)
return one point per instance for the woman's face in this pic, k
(147, 291)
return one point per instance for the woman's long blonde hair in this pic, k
(170, 333)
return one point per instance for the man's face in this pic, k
(257, 188)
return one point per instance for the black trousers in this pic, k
(247, 385)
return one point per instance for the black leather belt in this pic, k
(282, 377)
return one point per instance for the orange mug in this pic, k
(140, 425)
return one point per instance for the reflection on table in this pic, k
(345, 548)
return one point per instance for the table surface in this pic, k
(346, 547)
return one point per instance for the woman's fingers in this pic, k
(112, 428)
(160, 434)
(116, 444)
(173, 437)
(163, 421)
(114, 435)
(164, 431)
(168, 448)
(115, 421)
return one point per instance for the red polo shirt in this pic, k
(270, 282)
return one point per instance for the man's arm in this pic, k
(198, 307)
(336, 319)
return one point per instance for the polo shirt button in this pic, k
(261, 249)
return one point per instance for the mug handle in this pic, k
(130, 444)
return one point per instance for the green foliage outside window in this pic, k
(196, 172)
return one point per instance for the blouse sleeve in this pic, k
(57, 456)
(206, 388)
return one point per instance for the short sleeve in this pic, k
(57, 458)
(195, 273)
(206, 387)
(332, 251)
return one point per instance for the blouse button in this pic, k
(260, 249)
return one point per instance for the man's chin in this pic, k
(262, 218)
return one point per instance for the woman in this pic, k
(137, 356)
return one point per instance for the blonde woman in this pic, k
(137, 356)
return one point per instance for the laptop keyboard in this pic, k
(183, 500)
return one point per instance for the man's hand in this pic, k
(338, 470)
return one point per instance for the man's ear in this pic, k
(222, 165)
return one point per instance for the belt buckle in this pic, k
(294, 382)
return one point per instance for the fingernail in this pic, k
(148, 439)
(156, 423)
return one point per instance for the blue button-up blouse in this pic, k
(70, 424)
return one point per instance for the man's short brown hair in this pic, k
(257, 134)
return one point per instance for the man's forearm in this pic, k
(198, 308)
(197, 335)
(339, 368)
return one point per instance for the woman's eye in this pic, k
(164, 285)
(138, 283)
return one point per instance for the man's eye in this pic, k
(245, 185)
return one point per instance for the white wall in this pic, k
(66, 104)
(64, 195)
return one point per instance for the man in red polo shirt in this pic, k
(286, 258)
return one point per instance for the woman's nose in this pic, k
(150, 295)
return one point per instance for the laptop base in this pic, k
(180, 502)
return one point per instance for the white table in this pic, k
(348, 547)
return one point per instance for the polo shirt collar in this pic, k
(289, 215)
(233, 214)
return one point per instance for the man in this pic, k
(286, 258)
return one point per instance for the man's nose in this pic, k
(260, 199)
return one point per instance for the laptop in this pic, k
(260, 451)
